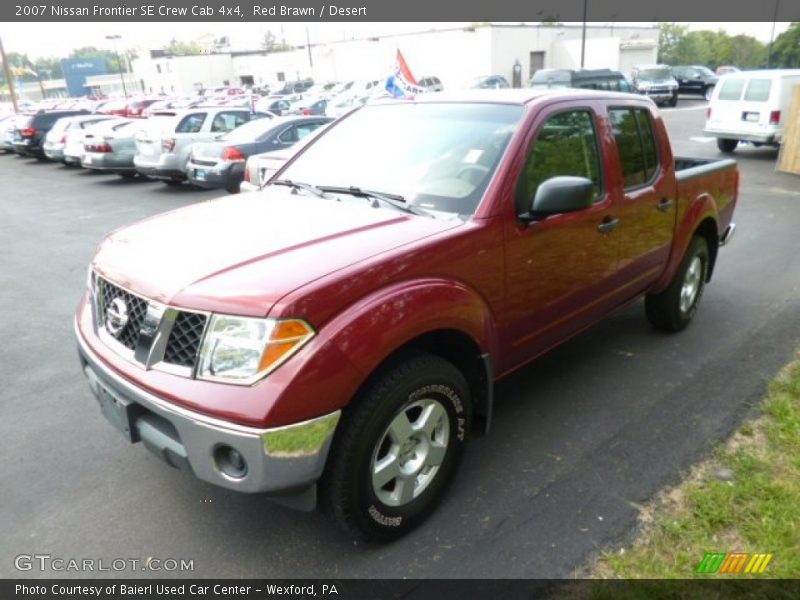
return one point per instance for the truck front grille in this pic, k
(137, 308)
(184, 329)
(184, 339)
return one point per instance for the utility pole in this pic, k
(583, 35)
(308, 45)
(9, 78)
(116, 38)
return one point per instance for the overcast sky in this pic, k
(64, 37)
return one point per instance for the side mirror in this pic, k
(560, 195)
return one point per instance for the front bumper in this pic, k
(278, 460)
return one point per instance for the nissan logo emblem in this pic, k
(116, 316)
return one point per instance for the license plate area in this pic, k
(750, 117)
(200, 174)
(121, 413)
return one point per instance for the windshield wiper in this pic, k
(394, 200)
(299, 185)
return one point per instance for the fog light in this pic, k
(230, 462)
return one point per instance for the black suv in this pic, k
(697, 79)
(29, 135)
(589, 79)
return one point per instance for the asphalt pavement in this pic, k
(580, 440)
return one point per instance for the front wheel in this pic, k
(673, 101)
(674, 308)
(727, 146)
(397, 448)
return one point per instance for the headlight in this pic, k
(242, 350)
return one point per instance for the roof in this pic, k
(516, 96)
(764, 73)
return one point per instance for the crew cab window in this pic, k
(758, 90)
(565, 145)
(731, 89)
(192, 123)
(227, 121)
(633, 133)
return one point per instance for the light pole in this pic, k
(9, 78)
(116, 38)
(583, 35)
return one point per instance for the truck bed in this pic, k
(696, 177)
(686, 168)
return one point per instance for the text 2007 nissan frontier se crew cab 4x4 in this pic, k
(336, 336)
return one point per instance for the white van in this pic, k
(751, 106)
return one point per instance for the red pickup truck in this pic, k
(336, 336)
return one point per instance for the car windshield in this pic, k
(437, 156)
(654, 74)
(705, 71)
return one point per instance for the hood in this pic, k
(240, 254)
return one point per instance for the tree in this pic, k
(108, 55)
(786, 48)
(179, 48)
(670, 36)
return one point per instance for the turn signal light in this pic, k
(28, 132)
(168, 144)
(286, 337)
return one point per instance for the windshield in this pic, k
(437, 156)
(655, 74)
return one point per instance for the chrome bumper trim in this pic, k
(278, 459)
(728, 235)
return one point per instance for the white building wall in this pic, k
(184, 74)
(455, 56)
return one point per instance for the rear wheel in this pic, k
(673, 101)
(172, 182)
(232, 187)
(397, 448)
(127, 175)
(727, 146)
(674, 308)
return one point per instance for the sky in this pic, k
(63, 38)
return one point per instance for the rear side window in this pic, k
(192, 123)
(565, 145)
(633, 133)
(228, 121)
(758, 90)
(731, 89)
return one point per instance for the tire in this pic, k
(673, 101)
(232, 187)
(727, 146)
(172, 182)
(127, 175)
(417, 390)
(708, 91)
(674, 308)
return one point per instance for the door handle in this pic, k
(665, 205)
(608, 225)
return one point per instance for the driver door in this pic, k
(560, 270)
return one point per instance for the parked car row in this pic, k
(206, 146)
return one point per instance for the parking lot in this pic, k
(581, 439)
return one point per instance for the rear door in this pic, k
(560, 271)
(743, 105)
(647, 206)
